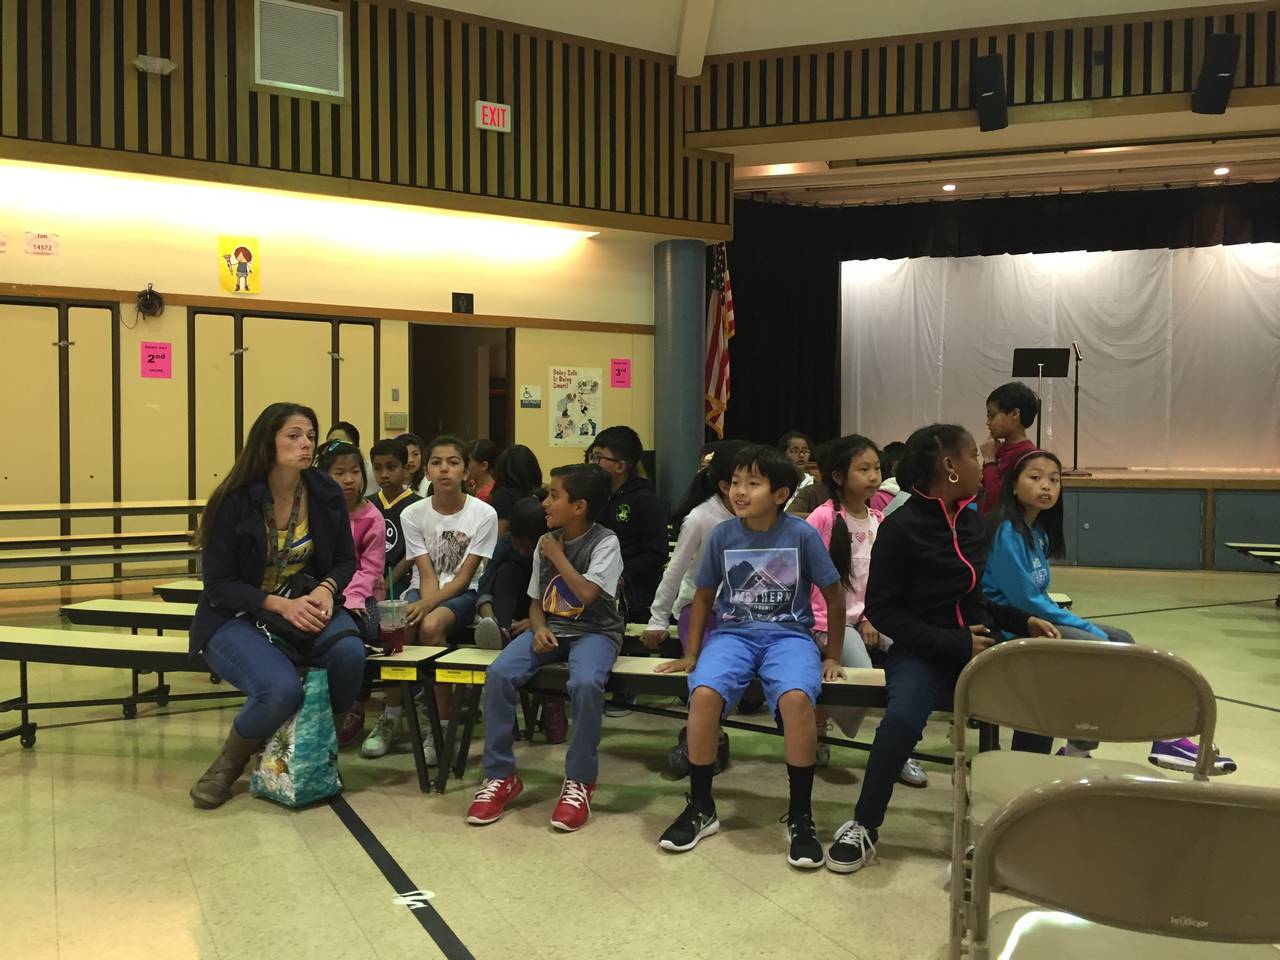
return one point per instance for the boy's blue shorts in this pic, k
(463, 607)
(784, 661)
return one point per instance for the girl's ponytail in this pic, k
(841, 548)
(706, 482)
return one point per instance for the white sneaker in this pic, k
(429, 742)
(913, 775)
(488, 635)
(380, 738)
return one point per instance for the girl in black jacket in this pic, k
(273, 516)
(924, 590)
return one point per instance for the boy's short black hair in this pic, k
(1016, 396)
(784, 441)
(585, 481)
(391, 448)
(623, 441)
(527, 519)
(891, 456)
(770, 463)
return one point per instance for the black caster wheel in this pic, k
(214, 678)
(28, 740)
(162, 702)
(130, 710)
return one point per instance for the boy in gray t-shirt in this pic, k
(573, 616)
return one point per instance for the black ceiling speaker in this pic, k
(1217, 73)
(989, 94)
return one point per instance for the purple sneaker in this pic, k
(1183, 754)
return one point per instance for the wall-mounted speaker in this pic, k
(989, 93)
(1217, 73)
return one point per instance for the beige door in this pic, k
(215, 413)
(355, 380)
(29, 471)
(89, 390)
(288, 360)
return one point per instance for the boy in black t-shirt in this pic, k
(391, 471)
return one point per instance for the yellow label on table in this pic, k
(399, 673)
(448, 675)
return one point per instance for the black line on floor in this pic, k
(426, 915)
(1246, 703)
(1190, 606)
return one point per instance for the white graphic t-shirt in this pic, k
(449, 538)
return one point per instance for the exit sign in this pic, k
(493, 116)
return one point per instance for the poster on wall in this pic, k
(575, 405)
(239, 266)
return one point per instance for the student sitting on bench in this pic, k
(924, 590)
(573, 616)
(1025, 527)
(757, 570)
(271, 517)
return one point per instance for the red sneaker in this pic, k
(350, 727)
(492, 799)
(574, 809)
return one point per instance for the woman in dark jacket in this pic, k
(273, 516)
(924, 590)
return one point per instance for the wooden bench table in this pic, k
(466, 667)
(180, 591)
(106, 508)
(138, 553)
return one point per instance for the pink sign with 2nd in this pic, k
(157, 360)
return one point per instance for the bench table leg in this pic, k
(468, 728)
(415, 731)
(26, 730)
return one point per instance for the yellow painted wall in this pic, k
(124, 231)
(538, 350)
(112, 235)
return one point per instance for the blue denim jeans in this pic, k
(240, 654)
(912, 686)
(590, 660)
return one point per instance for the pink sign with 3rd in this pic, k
(157, 360)
(620, 373)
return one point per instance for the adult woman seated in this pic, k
(271, 518)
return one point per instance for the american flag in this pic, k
(720, 330)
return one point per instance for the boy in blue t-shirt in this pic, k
(757, 569)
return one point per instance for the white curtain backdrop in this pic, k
(1181, 349)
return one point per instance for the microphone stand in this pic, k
(1075, 470)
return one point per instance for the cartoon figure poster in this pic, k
(239, 266)
(575, 405)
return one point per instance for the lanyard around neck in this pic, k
(277, 557)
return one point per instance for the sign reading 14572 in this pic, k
(493, 116)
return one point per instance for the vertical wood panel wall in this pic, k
(1044, 63)
(596, 128)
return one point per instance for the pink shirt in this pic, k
(862, 534)
(369, 531)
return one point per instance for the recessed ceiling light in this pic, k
(1221, 171)
(949, 187)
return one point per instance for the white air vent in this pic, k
(299, 47)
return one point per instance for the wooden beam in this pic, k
(691, 42)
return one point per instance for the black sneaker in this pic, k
(805, 851)
(690, 827)
(853, 849)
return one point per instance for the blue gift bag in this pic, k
(299, 764)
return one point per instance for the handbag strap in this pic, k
(278, 558)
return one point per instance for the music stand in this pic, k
(1041, 362)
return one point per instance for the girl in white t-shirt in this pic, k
(851, 469)
(705, 505)
(448, 536)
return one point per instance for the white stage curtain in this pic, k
(1181, 348)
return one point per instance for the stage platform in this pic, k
(1170, 519)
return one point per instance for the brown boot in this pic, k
(214, 788)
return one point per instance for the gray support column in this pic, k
(679, 316)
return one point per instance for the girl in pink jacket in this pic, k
(345, 463)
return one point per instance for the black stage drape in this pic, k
(784, 262)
